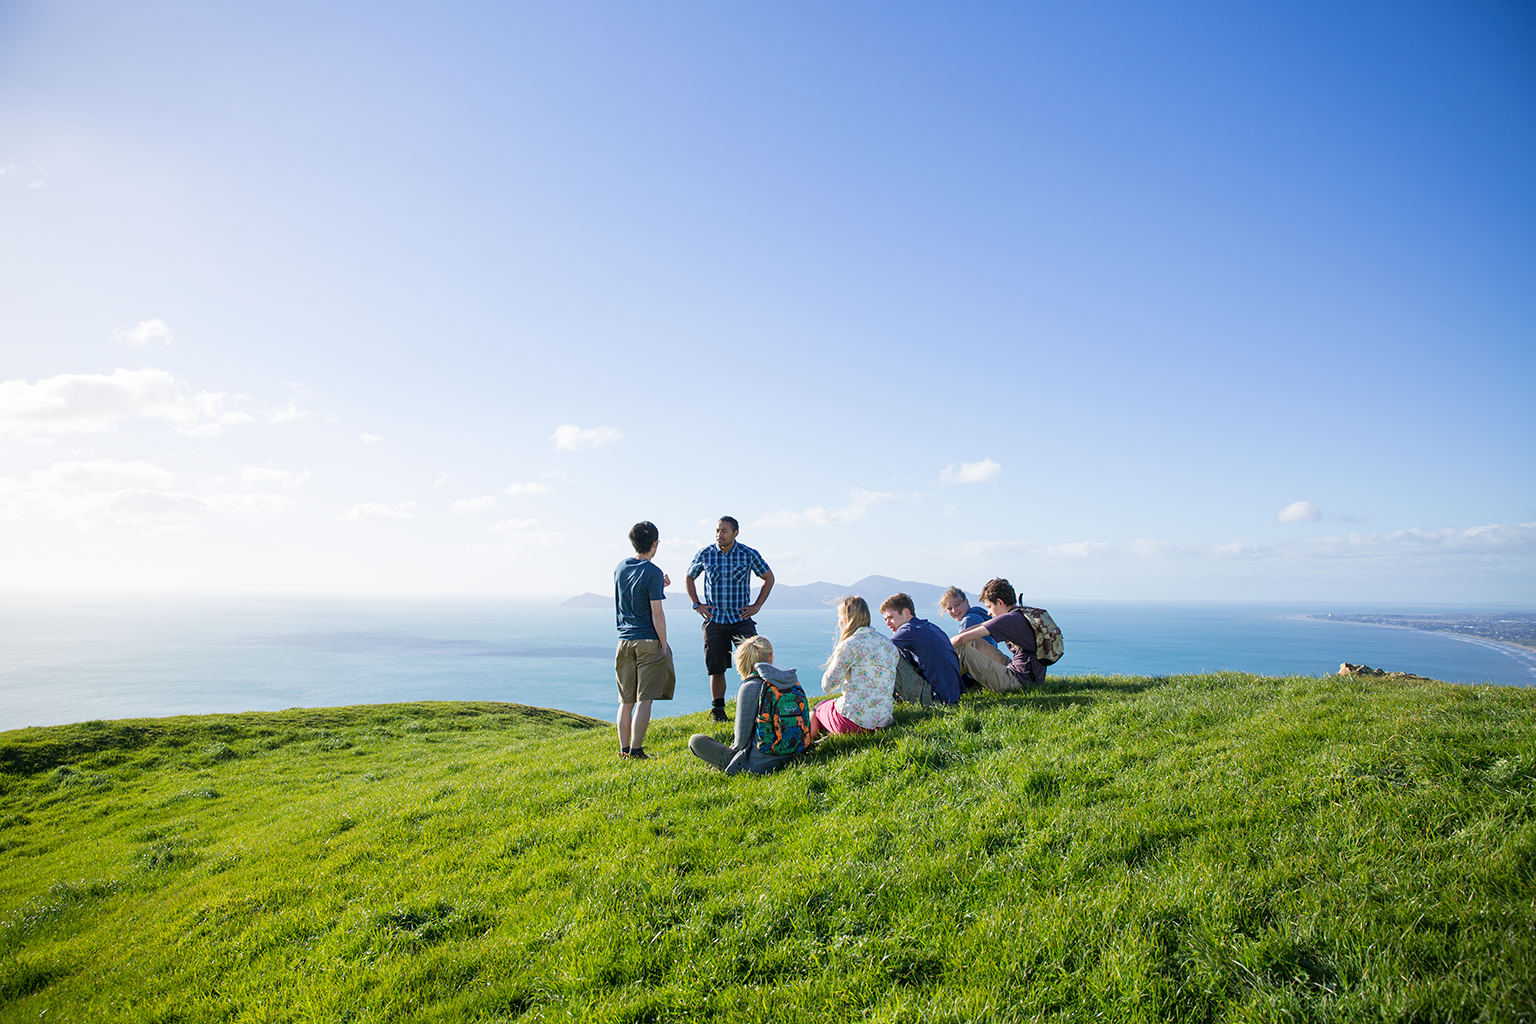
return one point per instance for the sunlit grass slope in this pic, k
(1198, 848)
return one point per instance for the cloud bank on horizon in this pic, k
(1176, 308)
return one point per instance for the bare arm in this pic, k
(659, 620)
(974, 633)
(693, 597)
(762, 595)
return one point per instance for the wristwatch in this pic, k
(695, 606)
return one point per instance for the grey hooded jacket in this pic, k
(747, 757)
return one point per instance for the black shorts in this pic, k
(720, 639)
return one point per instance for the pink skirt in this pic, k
(832, 720)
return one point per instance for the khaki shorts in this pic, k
(644, 671)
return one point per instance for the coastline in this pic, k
(1521, 653)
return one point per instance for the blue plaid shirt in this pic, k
(727, 578)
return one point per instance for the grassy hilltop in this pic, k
(1203, 848)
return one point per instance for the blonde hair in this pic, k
(852, 614)
(750, 652)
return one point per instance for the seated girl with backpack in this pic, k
(863, 667)
(772, 716)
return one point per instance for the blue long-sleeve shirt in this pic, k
(928, 648)
(975, 617)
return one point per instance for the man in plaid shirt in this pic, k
(727, 607)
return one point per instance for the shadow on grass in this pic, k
(1054, 695)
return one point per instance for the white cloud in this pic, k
(1492, 544)
(481, 504)
(287, 415)
(522, 532)
(816, 516)
(1299, 512)
(102, 474)
(9, 168)
(970, 472)
(950, 510)
(375, 511)
(532, 487)
(440, 480)
(281, 477)
(93, 403)
(168, 530)
(569, 437)
(863, 497)
(514, 525)
(49, 494)
(1077, 549)
(370, 438)
(1030, 549)
(819, 516)
(143, 334)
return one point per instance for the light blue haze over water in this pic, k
(78, 659)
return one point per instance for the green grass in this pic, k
(1201, 848)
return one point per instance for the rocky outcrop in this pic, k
(1346, 669)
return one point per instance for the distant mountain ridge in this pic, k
(873, 589)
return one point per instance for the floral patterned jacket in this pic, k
(864, 668)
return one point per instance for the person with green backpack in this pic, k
(773, 717)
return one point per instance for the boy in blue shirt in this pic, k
(923, 646)
(642, 664)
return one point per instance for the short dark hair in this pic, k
(898, 602)
(999, 590)
(735, 526)
(642, 535)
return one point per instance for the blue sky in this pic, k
(1118, 301)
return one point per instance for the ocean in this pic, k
(71, 659)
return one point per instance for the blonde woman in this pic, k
(863, 667)
(754, 663)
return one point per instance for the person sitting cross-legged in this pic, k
(754, 663)
(959, 608)
(1009, 625)
(863, 667)
(932, 671)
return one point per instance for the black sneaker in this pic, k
(638, 754)
(718, 714)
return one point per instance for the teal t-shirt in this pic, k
(636, 583)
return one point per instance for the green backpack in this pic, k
(783, 719)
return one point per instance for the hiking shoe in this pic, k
(718, 715)
(638, 754)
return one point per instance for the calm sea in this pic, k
(76, 659)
